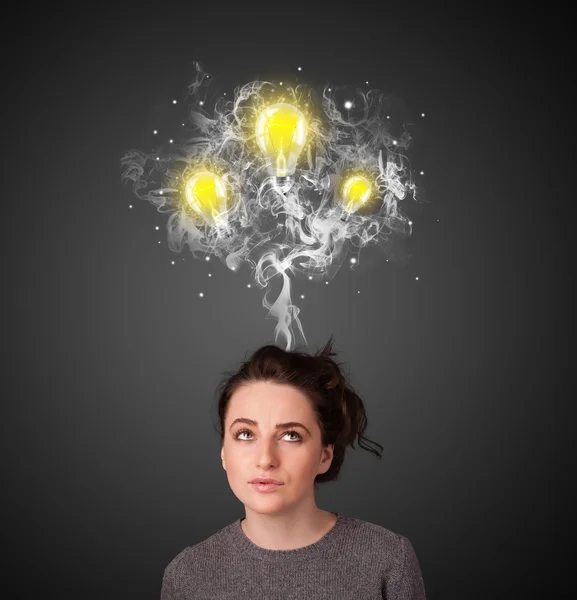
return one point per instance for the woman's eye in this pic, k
(297, 436)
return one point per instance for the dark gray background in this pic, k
(111, 465)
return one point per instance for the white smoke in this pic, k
(279, 232)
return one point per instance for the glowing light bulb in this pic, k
(355, 192)
(281, 133)
(206, 195)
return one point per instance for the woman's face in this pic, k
(290, 454)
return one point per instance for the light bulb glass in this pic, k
(206, 195)
(281, 133)
(356, 191)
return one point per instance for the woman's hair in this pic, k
(339, 411)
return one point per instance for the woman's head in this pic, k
(276, 386)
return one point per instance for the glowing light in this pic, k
(356, 191)
(422, 114)
(155, 132)
(206, 195)
(174, 101)
(157, 228)
(281, 133)
(348, 104)
(300, 68)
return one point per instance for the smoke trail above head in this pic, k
(282, 225)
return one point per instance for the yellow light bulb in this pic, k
(355, 192)
(281, 133)
(206, 195)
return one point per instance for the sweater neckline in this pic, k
(320, 547)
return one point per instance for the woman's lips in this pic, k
(266, 487)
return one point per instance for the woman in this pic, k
(289, 416)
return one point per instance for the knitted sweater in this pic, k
(355, 560)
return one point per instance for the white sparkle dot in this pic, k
(302, 296)
(234, 268)
(417, 278)
(130, 206)
(207, 258)
(174, 101)
(410, 222)
(366, 82)
(330, 90)
(326, 283)
(388, 117)
(359, 291)
(172, 262)
(210, 274)
(310, 276)
(281, 83)
(437, 220)
(248, 285)
(157, 158)
(422, 172)
(161, 192)
(155, 132)
(348, 104)
(183, 124)
(171, 141)
(159, 241)
(422, 114)
(353, 260)
(300, 68)
(157, 228)
(201, 103)
(225, 93)
(201, 295)
(395, 142)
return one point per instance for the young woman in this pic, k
(288, 417)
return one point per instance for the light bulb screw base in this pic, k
(284, 183)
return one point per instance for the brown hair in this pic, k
(339, 411)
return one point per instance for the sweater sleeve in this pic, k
(168, 591)
(411, 586)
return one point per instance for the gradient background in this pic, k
(111, 465)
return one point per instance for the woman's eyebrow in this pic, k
(278, 425)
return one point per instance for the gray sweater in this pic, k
(355, 560)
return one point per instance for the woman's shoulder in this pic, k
(374, 531)
(211, 543)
